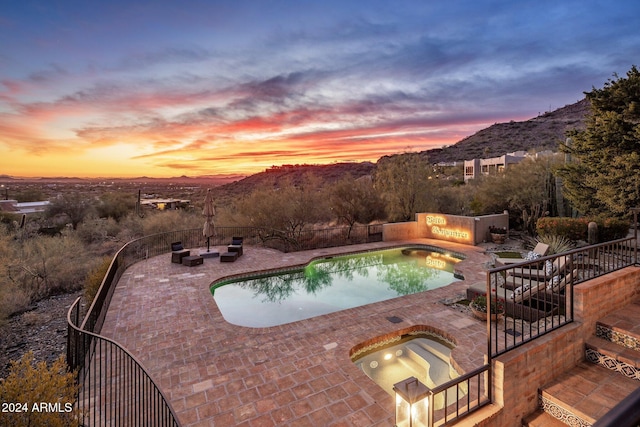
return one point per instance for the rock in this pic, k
(43, 329)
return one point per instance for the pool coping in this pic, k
(217, 373)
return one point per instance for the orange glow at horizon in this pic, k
(173, 158)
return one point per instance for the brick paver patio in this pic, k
(218, 374)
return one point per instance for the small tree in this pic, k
(116, 205)
(72, 204)
(30, 384)
(526, 189)
(355, 200)
(285, 207)
(404, 183)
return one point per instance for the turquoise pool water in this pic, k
(333, 284)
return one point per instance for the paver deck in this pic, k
(218, 374)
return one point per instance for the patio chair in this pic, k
(519, 275)
(535, 300)
(178, 252)
(236, 245)
(540, 250)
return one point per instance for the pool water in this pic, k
(425, 358)
(332, 284)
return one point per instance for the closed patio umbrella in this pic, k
(209, 212)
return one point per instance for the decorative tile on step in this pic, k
(617, 337)
(612, 364)
(562, 414)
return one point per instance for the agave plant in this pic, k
(557, 244)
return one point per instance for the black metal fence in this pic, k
(537, 295)
(468, 392)
(114, 387)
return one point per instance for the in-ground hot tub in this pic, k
(425, 356)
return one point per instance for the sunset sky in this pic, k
(166, 88)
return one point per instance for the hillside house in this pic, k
(476, 167)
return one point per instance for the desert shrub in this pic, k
(97, 230)
(158, 222)
(32, 384)
(94, 279)
(571, 228)
(576, 228)
(50, 265)
(12, 300)
(39, 267)
(611, 228)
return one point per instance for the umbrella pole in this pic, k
(208, 244)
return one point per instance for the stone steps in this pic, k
(541, 418)
(610, 372)
(585, 393)
(613, 357)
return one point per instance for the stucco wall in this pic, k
(519, 373)
(453, 228)
(400, 231)
(484, 222)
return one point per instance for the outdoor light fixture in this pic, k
(412, 403)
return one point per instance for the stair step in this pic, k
(583, 394)
(541, 419)
(622, 326)
(614, 357)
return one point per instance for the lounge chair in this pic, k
(527, 290)
(518, 275)
(540, 250)
(537, 300)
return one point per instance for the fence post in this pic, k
(635, 234)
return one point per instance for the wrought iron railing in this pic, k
(115, 389)
(468, 392)
(538, 295)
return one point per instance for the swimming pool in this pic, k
(333, 284)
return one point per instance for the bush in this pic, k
(611, 229)
(35, 384)
(571, 228)
(159, 222)
(576, 228)
(94, 279)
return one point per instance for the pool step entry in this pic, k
(609, 373)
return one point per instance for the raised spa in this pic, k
(332, 284)
(425, 357)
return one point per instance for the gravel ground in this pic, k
(43, 330)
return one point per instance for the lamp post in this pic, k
(412, 403)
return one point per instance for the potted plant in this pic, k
(498, 234)
(481, 309)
